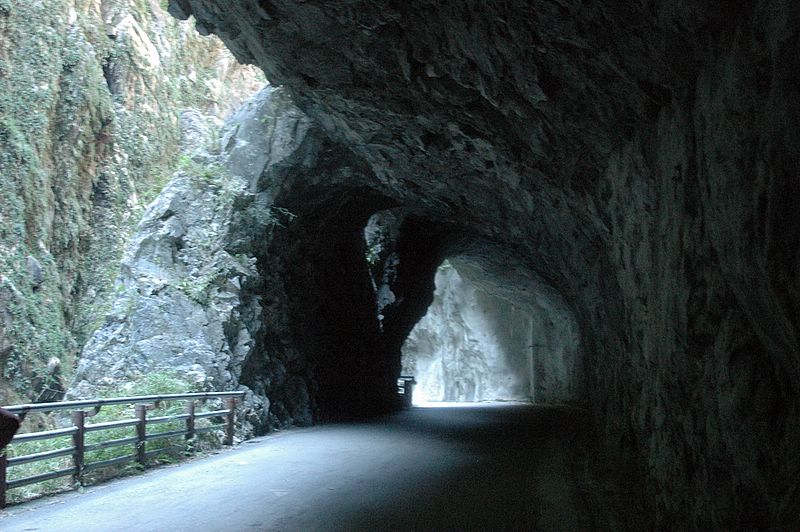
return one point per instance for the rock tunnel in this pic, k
(352, 301)
(625, 171)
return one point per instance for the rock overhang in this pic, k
(461, 130)
(491, 124)
(620, 150)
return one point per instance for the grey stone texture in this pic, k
(184, 302)
(469, 346)
(481, 341)
(90, 92)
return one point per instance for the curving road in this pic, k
(482, 467)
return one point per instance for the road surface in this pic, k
(483, 467)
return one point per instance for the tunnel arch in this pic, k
(489, 338)
(409, 251)
(637, 153)
(355, 273)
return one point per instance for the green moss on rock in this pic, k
(89, 129)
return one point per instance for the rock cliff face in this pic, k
(472, 345)
(249, 270)
(637, 160)
(188, 298)
(469, 346)
(90, 94)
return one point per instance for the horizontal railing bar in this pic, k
(143, 404)
(156, 452)
(45, 435)
(215, 413)
(159, 435)
(111, 461)
(110, 443)
(111, 425)
(28, 458)
(164, 419)
(39, 478)
(93, 403)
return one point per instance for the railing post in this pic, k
(3, 467)
(79, 421)
(141, 434)
(190, 406)
(230, 405)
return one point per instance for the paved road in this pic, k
(487, 467)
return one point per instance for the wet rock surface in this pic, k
(640, 159)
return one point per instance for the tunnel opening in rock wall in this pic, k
(329, 274)
(481, 325)
(642, 157)
(470, 346)
(354, 273)
(506, 334)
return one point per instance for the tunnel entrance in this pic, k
(466, 317)
(470, 345)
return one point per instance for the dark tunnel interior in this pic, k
(585, 206)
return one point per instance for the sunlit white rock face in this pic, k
(470, 346)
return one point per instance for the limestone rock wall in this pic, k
(473, 344)
(640, 158)
(551, 331)
(243, 272)
(187, 295)
(90, 96)
(469, 346)
(249, 272)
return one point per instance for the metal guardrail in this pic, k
(79, 428)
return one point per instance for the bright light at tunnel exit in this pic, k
(469, 348)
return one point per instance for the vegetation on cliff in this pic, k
(90, 97)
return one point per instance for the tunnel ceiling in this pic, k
(640, 157)
(497, 118)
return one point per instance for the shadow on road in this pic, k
(487, 467)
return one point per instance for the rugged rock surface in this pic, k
(185, 303)
(468, 346)
(641, 159)
(474, 346)
(222, 281)
(552, 329)
(90, 92)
